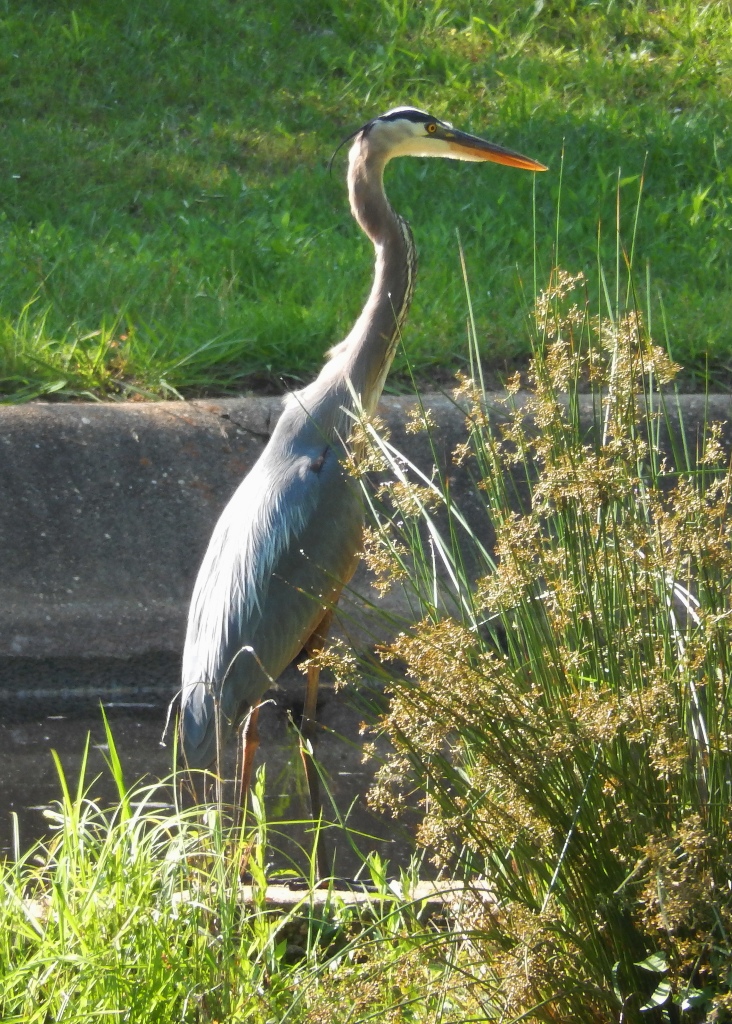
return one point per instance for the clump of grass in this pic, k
(133, 910)
(139, 911)
(567, 719)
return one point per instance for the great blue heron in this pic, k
(288, 540)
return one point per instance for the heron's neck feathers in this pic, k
(365, 356)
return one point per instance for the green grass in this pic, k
(137, 912)
(167, 221)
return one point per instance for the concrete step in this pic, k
(107, 509)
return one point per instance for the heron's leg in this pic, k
(250, 742)
(308, 730)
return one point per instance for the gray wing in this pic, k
(279, 553)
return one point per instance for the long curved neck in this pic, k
(369, 349)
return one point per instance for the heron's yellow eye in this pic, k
(431, 128)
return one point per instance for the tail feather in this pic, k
(198, 727)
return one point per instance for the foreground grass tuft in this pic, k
(144, 912)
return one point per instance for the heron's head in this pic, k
(406, 131)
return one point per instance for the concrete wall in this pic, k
(107, 508)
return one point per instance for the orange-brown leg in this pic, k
(308, 725)
(250, 742)
(308, 731)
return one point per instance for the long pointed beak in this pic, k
(470, 147)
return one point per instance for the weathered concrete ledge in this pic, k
(107, 508)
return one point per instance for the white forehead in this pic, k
(405, 110)
(410, 117)
(403, 132)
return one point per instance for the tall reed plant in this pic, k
(566, 719)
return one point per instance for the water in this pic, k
(56, 706)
